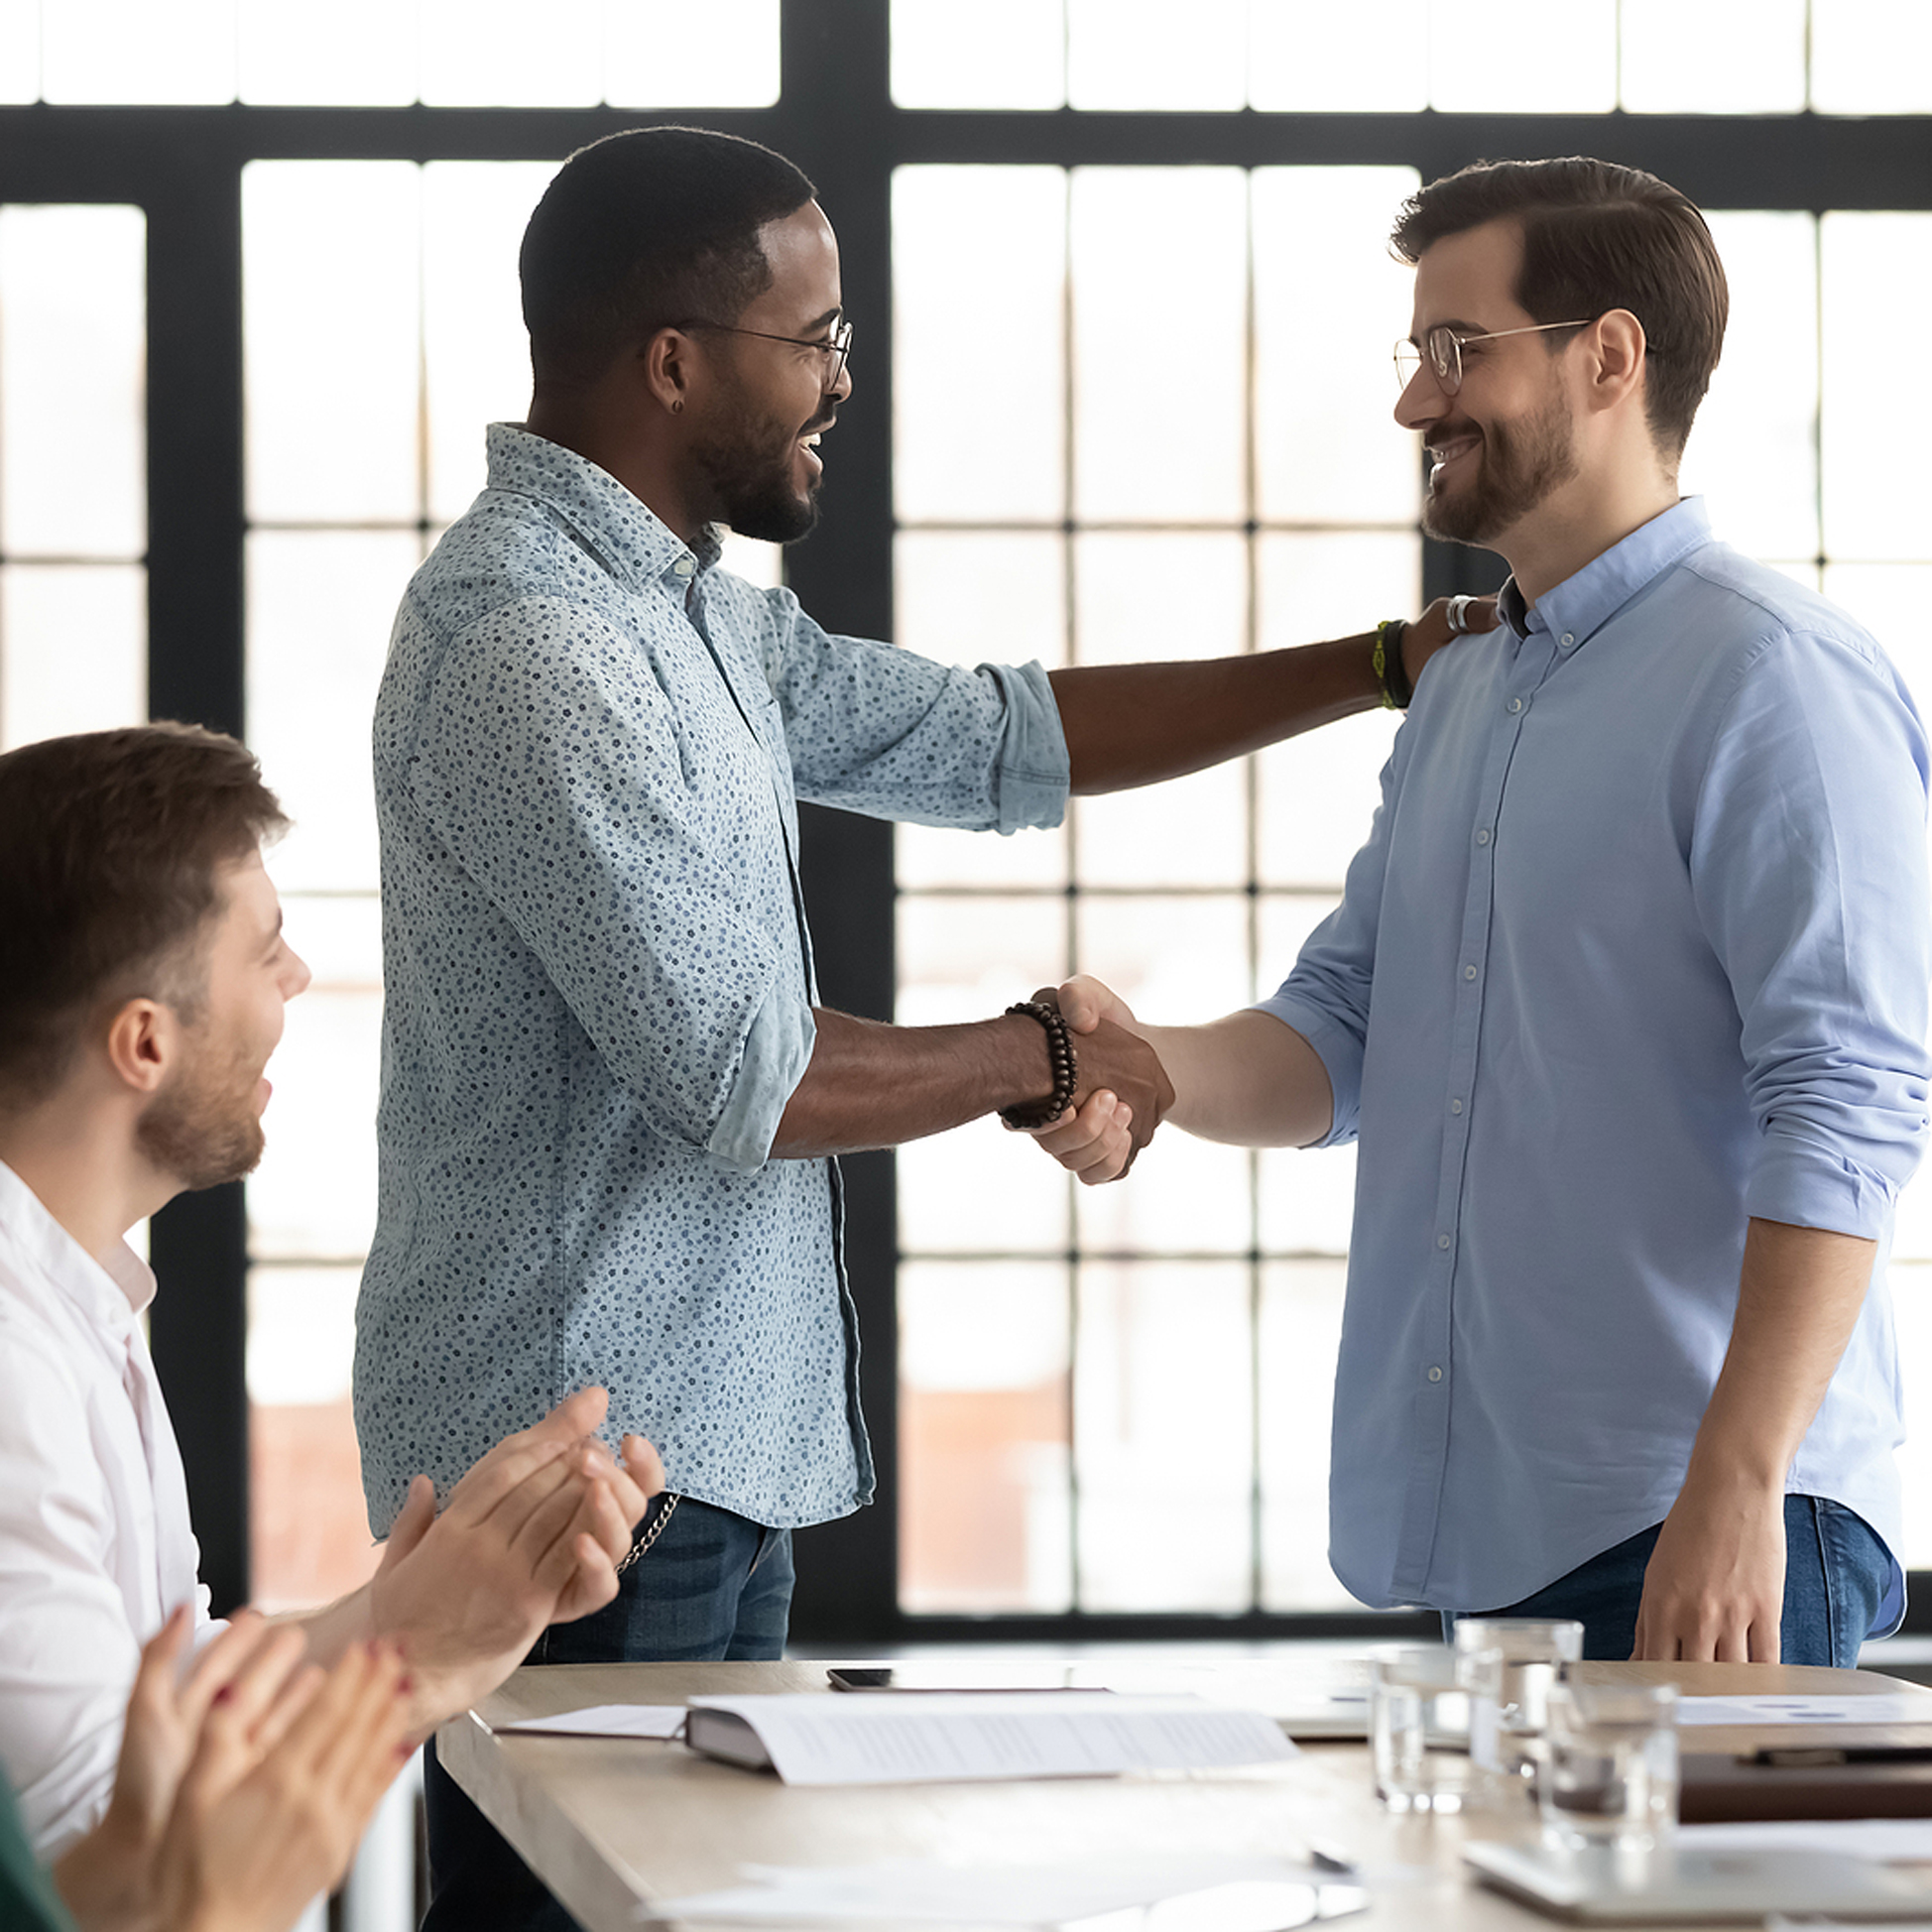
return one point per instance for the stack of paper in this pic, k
(885, 1739)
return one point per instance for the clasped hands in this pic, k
(1123, 1092)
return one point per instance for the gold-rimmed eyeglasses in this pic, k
(1443, 347)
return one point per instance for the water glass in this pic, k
(1431, 1710)
(1532, 1653)
(1609, 1775)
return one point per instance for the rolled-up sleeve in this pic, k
(553, 765)
(1325, 997)
(875, 729)
(1809, 868)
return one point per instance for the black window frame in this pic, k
(183, 166)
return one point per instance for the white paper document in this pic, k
(1075, 1893)
(931, 1737)
(1886, 1840)
(608, 1721)
(1877, 1708)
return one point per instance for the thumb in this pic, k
(576, 1415)
(412, 1523)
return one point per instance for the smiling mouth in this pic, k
(1443, 454)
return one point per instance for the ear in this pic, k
(671, 366)
(141, 1044)
(1616, 371)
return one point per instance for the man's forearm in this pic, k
(1137, 724)
(870, 1085)
(1248, 1080)
(1798, 1300)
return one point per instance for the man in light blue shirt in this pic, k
(1625, 1000)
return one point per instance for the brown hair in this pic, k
(1597, 237)
(109, 845)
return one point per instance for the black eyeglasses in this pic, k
(1444, 349)
(834, 347)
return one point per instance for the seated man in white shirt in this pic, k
(143, 977)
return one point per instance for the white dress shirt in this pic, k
(95, 1548)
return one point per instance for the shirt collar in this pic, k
(1583, 603)
(110, 1293)
(620, 527)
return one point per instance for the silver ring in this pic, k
(1458, 615)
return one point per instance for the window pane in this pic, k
(1145, 239)
(1185, 1197)
(1754, 449)
(1891, 600)
(484, 54)
(320, 604)
(314, 1197)
(1163, 1435)
(1700, 57)
(1127, 54)
(72, 355)
(1305, 1199)
(1174, 960)
(136, 52)
(1309, 56)
(979, 323)
(946, 1183)
(971, 597)
(1871, 57)
(1326, 449)
(1145, 594)
(994, 54)
(1316, 794)
(352, 53)
(659, 54)
(1300, 1331)
(331, 335)
(19, 54)
(74, 648)
(1489, 57)
(969, 958)
(309, 1532)
(984, 1504)
(1878, 269)
(475, 352)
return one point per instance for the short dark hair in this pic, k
(109, 847)
(1597, 237)
(645, 230)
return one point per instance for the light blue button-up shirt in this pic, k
(588, 746)
(1636, 950)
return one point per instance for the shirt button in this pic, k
(1455, 1107)
(1566, 640)
(1469, 972)
(1516, 705)
(1435, 1374)
(1442, 1241)
(1483, 837)
(683, 567)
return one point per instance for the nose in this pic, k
(296, 978)
(1422, 400)
(842, 383)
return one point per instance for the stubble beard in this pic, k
(748, 466)
(203, 1129)
(1518, 466)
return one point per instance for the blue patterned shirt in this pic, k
(589, 743)
(1636, 950)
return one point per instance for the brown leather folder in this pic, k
(1718, 1787)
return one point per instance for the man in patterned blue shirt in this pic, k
(609, 1094)
(1626, 1000)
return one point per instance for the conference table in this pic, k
(615, 1826)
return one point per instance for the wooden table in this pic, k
(612, 1825)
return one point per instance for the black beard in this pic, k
(1517, 468)
(749, 468)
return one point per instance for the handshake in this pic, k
(1118, 1091)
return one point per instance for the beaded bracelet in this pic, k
(1386, 659)
(1059, 1051)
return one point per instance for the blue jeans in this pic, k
(714, 1587)
(1834, 1575)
